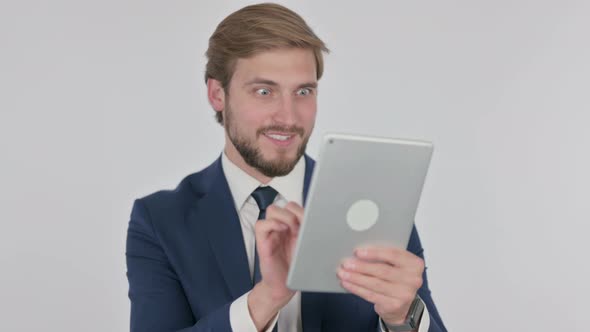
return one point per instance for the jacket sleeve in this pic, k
(436, 324)
(158, 302)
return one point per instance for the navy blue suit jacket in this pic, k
(186, 263)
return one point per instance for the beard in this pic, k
(252, 154)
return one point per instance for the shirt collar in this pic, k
(241, 184)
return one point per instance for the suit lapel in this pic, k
(309, 165)
(217, 211)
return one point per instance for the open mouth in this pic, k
(281, 139)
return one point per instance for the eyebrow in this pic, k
(258, 80)
(312, 85)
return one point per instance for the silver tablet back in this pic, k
(364, 190)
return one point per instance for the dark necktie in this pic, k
(264, 196)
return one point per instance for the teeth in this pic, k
(278, 137)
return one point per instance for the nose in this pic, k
(286, 111)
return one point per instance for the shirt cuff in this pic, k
(424, 321)
(240, 319)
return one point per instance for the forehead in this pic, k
(285, 66)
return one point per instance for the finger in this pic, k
(384, 305)
(364, 293)
(383, 271)
(392, 255)
(395, 290)
(296, 209)
(283, 215)
(265, 229)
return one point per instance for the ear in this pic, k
(216, 94)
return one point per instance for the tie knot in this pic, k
(264, 196)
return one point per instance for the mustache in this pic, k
(284, 129)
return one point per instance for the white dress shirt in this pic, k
(289, 188)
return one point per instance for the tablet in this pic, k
(364, 190)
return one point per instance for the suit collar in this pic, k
(213, 175)
(309, 166)
(242, 184)
(216, 211)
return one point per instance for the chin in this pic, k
(280, 165)
(281, 155)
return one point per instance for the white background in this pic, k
(104, 101)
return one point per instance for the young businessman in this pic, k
(197, 258)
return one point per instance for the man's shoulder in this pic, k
(190, 189)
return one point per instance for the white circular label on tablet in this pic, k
(362, 215)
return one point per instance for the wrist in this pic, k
(277, 295)
(412, 320)
(264, 303)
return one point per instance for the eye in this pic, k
(263, 91)
(304, 92)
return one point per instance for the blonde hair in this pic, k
(254, 29)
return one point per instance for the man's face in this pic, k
(270, 109)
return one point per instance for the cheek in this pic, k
(307, 112)
(246, 115)
(253, 121)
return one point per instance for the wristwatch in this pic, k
(412, 319)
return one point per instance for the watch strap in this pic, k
(412, 319)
